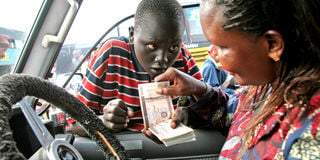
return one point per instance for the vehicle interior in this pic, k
(38, 85)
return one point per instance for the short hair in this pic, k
(168, 8)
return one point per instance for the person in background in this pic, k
(4, 45)
(273, 48)
(213, 74)
(213, 53)
(110, 86)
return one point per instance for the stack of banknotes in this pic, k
(157, 112)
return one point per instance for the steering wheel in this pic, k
(14, 87)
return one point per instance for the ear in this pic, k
(131, 33)
(275, 44)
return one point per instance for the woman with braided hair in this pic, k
(272, 48)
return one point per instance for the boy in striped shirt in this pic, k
(110, 86)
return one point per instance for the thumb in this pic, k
(130, 112)
(174, 124)
(167, 91)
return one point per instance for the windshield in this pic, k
(93, 20)
(31, 43)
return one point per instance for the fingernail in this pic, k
(159, 90)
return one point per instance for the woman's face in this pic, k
(157, 43)
(243, 55)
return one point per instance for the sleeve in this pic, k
(217, 108)
(191, 66)
(306, 146)
(303, 140)
(90, 92)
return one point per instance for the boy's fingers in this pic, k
(130, 112)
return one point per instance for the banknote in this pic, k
(157, 111)
(155, 108)
(170, 136)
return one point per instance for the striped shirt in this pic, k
(115, 72)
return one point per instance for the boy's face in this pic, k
(157, 43)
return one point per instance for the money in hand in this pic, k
(157, 111)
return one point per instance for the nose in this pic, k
(162, 58)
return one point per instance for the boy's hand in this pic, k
(116, 115)
(151, 136)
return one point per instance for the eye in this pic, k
(151, 47)
(174, 48)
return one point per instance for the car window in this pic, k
(96, 17)
(90, 22)
(16, 22)
(93, 19)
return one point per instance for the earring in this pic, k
(131, 40)
(131, 33)
(274, 56)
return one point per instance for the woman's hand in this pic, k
(116, 115)
(180, 116)
(183, 84)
